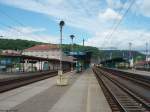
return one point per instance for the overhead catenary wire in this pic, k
(115, 29)
(109, 35)
(11, 18)
(109, 32)
(15, 21)
(12, 28)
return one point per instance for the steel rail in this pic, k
(144, 106)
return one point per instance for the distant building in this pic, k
(49, 51)
(36, 58)
(24, 63)
(45, 51)
(13, 52)
(83, 59)
(148, 58)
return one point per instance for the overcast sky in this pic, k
(102, 23)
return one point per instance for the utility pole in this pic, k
(110, 55)
(61, 81)
(62, 23)
(146, 51)
(130, 48)
(146, 54)
(130, 55)
(123, 55)
(72, 37)
(83, 41)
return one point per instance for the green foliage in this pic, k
(16, 44)
(105, 54)
(94, 50)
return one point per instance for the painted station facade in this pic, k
(36, 58)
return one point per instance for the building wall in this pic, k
(51, 54)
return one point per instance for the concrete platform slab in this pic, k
(14, 97)
(19, 74)
(139, 72)
(83, 94)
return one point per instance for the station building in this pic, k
(116, 63)
(36, 58)
(142, 65)
(50, 51)
(82, 58)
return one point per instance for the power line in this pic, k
(16, 21)
(10, 27)
(119, 22)
(115, 29)
(113, 26)
(11, 18)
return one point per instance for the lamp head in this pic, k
(72, 36)
(62, 23)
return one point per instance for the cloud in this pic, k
(81, 14)
(115, 4)
(110, 14)
(54, 2)
(88, 15)
(120, 39)
(28, 33)
(142, 7)
(29, 30)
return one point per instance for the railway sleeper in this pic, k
(133, 105)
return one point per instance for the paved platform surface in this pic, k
(83, 94)
(17, 74)
(139, 72)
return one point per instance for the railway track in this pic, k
(119, 97)
(12, 83)
(141, 79)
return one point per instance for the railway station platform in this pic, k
(139, 72)
(20, 74)
(82, 94)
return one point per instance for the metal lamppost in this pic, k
(61, 24)
(61, 79)
(72, 37)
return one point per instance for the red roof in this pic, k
(44, 47)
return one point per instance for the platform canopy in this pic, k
(31, 57)
(113, 62)
(117, 60)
